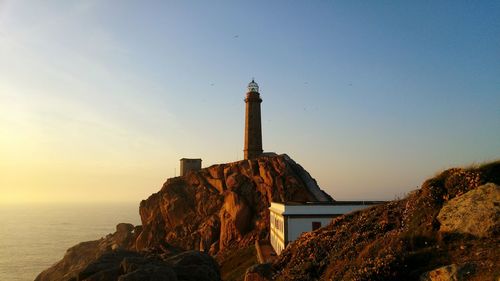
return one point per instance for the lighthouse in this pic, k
(253, 127)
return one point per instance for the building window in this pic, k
(277, 223)
(316, 225)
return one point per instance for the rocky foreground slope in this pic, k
(447, 230)
(213, 210)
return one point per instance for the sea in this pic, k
(35, 236)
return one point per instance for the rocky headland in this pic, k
(202, 226)
(213, 213)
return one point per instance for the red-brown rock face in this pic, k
(223, 205)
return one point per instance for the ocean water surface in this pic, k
(35, 236)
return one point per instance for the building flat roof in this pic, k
(333, 203)
(320, 208)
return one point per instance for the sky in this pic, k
(100, 99)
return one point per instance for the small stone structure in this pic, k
(189, 164)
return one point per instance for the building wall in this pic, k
(288, 222)
(297, 226)
(253, 126)
(277, 232)
(189, 165)
(316, 210)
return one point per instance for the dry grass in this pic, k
(234, 266)
(398, 240)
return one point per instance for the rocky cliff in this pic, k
(447, 230)
(223, 206)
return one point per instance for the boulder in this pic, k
(476, 212)
(124, 227)
(195, 266)
(259, 272)
(124, 237)
(445, 273)
(150, 273)
(139, 269)
(105, 267)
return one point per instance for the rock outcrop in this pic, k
(80, 256)
(404, 239)
(223, 206)
(113, 259)
(259, 272)
(477, 212)
(445, 273)
(132, 266)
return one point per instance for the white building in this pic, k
(289, 220)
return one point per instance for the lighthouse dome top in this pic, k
(253, 87)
